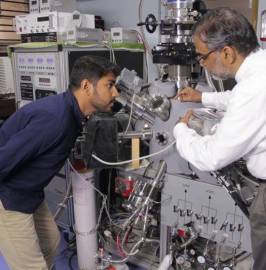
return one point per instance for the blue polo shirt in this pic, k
(34, 144)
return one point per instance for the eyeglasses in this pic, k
(203, 57)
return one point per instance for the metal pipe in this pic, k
(85, 219)
(144, 135)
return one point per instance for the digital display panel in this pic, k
(43, 19)
(44, 80)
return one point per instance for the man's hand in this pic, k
(186, 117)
(189, 94)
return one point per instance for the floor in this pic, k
(62, 261)
(66, 259)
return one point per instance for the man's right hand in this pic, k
(189, 94)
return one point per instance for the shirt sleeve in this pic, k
(237, 134)
(217, 100)
(37, 136)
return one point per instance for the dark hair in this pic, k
(92, 68)
(224, 26)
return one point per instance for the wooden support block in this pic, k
(135, 152)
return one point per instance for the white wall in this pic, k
(118, 12)
(124, 13)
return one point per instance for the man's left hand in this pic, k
(186, 117)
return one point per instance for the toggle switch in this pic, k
(232, 227)
(224, 225)
(240, 227)
(189, 212)
(206, 220)
(214, 220)
(198, 216)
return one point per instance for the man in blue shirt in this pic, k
(34, 144)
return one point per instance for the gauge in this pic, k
(192, 252)
(180, 260)
(201, 259)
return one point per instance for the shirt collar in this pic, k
(246, 65)
(81, 119)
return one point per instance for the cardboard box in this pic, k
(21, 7)
(10, 13)
(18, 1)
(6, 28)
(4, 36)
(6, 20)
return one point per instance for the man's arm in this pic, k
(25, 145)
(217, 100)
(189, 94)
(238, 133)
